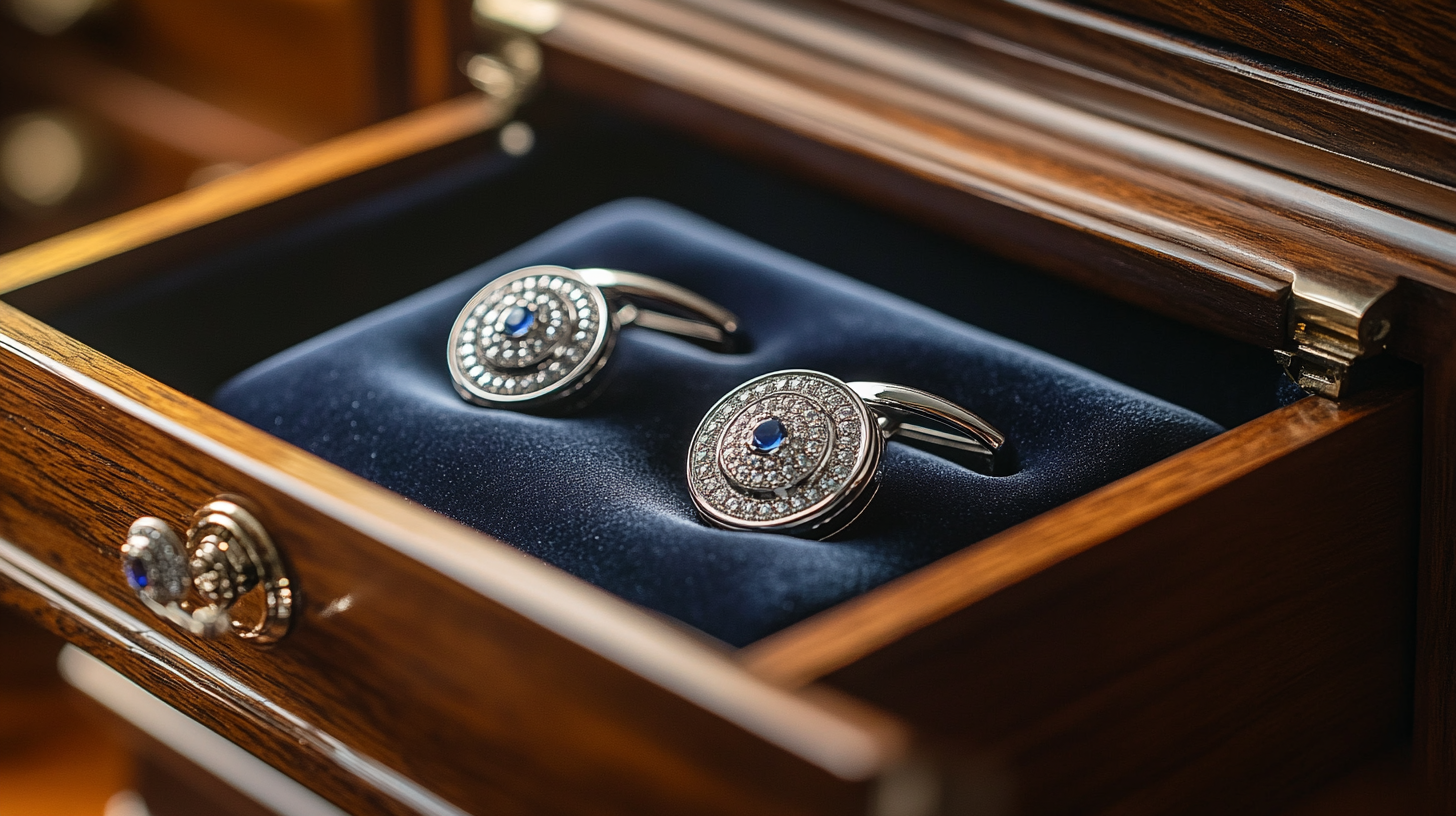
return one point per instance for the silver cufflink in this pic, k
(798, 452)
(538, 339)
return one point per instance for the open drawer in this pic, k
(1219, 631)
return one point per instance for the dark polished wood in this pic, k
(1211, 618)
(1386, 786)
(1402, 46)
(1185, 231)
(432, 668)
(1293, 119)
(1429, 316)
(1248, 308)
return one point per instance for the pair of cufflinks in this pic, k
(795, 452)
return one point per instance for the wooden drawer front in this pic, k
(1212, 634)
(416, 679)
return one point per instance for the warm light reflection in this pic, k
(337, 606)
(42, 159)
(517, 138)
(52, 16)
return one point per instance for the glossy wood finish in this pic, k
(1186, 231)
(752, 79)
(1170, 643)
(1428, 318)
(1402, 46)
(1299, 121)
(433, 669)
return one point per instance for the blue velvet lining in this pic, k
(602, 494)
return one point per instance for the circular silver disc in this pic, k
(530, 339)
(790, 452)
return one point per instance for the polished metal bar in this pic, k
(954, 427)
(704, 320)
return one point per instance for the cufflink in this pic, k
(538, 339)
(798, 452)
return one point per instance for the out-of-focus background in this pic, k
(59, 752)
(106, 105)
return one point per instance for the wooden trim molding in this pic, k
(109, 629)
(829, 641)
(163, 731)
(1314, 125)
(1225, 238)
(1403, 47)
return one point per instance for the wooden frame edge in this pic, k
(854, 629)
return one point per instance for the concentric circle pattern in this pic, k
(821, 451)
(528, 333)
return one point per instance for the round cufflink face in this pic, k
(793, 452)
(531, 339)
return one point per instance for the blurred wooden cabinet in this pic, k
(162, 96)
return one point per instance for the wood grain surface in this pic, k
(1385, 786)
(1402, 46)
(783, 88)
(1216, 633)
(1428, 335)
(433, 669)
(1297, 120)
(1186, 231)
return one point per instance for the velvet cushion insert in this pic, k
(602, 494)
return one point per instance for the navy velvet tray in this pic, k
(602, 494)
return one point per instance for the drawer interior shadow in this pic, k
(195, 327)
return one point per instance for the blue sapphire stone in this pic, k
(519, 321)
(768, 435)
(136, 573)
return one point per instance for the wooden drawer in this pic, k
(1164, 644)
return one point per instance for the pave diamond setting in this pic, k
(792, 452)
(534, 335)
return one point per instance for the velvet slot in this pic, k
(602, 494)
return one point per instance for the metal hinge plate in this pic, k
(1333, 325)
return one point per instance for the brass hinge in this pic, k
(506, 64)
(1333, 325)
